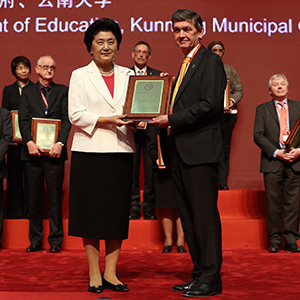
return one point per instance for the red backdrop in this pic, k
(261, 38)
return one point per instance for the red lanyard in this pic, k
(196, 50)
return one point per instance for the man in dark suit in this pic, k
(196, 146)
(6, 133)
(45, 99)
(281, 168)
(141, 54)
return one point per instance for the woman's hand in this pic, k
(114, 120)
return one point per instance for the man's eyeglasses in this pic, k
(45, 68)
(141, 52)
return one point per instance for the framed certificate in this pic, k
(227, 97)
(45, 132)
(293, 140)
(17, 137)
(147, 97)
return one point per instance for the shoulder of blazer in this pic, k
(59, 86)
(265, 105)
(151, 71)
(123, 69)
(12, 87)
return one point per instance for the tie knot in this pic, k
(186, 60)
(281, 103)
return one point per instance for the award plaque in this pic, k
(45, 132)
(147, 97)
(17, 137)
(293, 140)
(227, 97)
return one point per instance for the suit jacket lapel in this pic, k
(273, 111)
(99, 84)
(120, 84)
(52, 95)
(38, 98)
(292, 113)
(190, 71)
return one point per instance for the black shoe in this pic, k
(150, 216)
(54, 249)
(274, 248)
(185, 287)
(203, 290)
(167, 249)
(96, 289)
(292, 248)
(224, 187)
(115, 288)
(181, 249)
(134, 214)
(34, 248)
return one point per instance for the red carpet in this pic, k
(247, 274)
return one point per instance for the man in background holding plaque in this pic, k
(196, 146)
(141, 54)
(46, 100)
(281, 169)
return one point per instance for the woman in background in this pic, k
(102, 154)
(230, 117)
(17, 206)
(165, 196)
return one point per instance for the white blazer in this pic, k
(89, 98)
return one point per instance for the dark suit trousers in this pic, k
(197, 187)
(16, 205)
(282, 192)
(35, 172)
(229, 122)
(141, 144)
(1, 209)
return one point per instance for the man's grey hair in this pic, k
(278, 76)
(48, 56)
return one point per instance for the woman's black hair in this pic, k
(104, 24)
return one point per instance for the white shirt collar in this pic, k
(136, 69)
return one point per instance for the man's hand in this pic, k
(55, 150)
(161, 121)
(292, 155)
(34, 149)
(288, 156)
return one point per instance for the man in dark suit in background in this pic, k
(281, 168)
(141, 54)
(196, 146)
(45, 99)
(6, 134)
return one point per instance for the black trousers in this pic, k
(35, 174)
(1, 209)
(17, 205)
(197, 196)
(229, 122)
(141, 145)
(282, 194)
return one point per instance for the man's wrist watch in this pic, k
(61, 144)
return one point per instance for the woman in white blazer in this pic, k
(102, 154)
